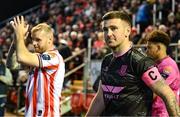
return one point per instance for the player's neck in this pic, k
(122, 49)
(162, 56)
(51, 48)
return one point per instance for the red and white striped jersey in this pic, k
(44, 85)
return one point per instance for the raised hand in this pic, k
(20, 27)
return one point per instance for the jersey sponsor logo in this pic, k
(111, 96)
(111, 92)
(112, 89)
(122, 70)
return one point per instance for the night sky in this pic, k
(9, 8)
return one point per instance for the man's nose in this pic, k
(34, 42)
(109, 33)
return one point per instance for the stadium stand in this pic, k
(77, 21)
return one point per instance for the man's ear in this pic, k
(158, 46)
(50, 40)
(127, 31)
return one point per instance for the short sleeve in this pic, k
(48, 59)
(143, 65)
(169, 74)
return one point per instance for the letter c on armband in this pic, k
(151, 76)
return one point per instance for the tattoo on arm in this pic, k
(172, 106)
(168, 97)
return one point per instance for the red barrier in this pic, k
(88, 100)
(77, 103)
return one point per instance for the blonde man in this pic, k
(46, 76)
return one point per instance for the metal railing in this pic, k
(79, 66)
(86, 74)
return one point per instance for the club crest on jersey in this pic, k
(166, 72)
(46, 57)
(122, 70)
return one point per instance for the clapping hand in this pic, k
(20, 27)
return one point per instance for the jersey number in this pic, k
(152, 76)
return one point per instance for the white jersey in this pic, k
(44, 85)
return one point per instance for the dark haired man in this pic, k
(128, 77)
(158, 43)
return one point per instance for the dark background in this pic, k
(10, 8)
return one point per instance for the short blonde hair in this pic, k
(42, 27)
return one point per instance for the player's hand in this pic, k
(20, 27)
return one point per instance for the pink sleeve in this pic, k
(151, 76)
(171, 74)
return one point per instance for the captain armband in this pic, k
(151, 76)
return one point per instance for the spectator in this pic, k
(143, 39)
(144, 16)
(5, 81)
(170, 19)
(163, 28)
(174, 34)
(135, 37)
(98, 48)
(163, 8)
(63, 47)
(177, 14)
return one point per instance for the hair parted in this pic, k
(159, 37)
(117, 14)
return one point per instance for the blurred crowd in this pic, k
(74, 22)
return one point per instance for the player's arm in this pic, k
(23, 55)
(97, 104)
(154, 80)
(169, 74)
